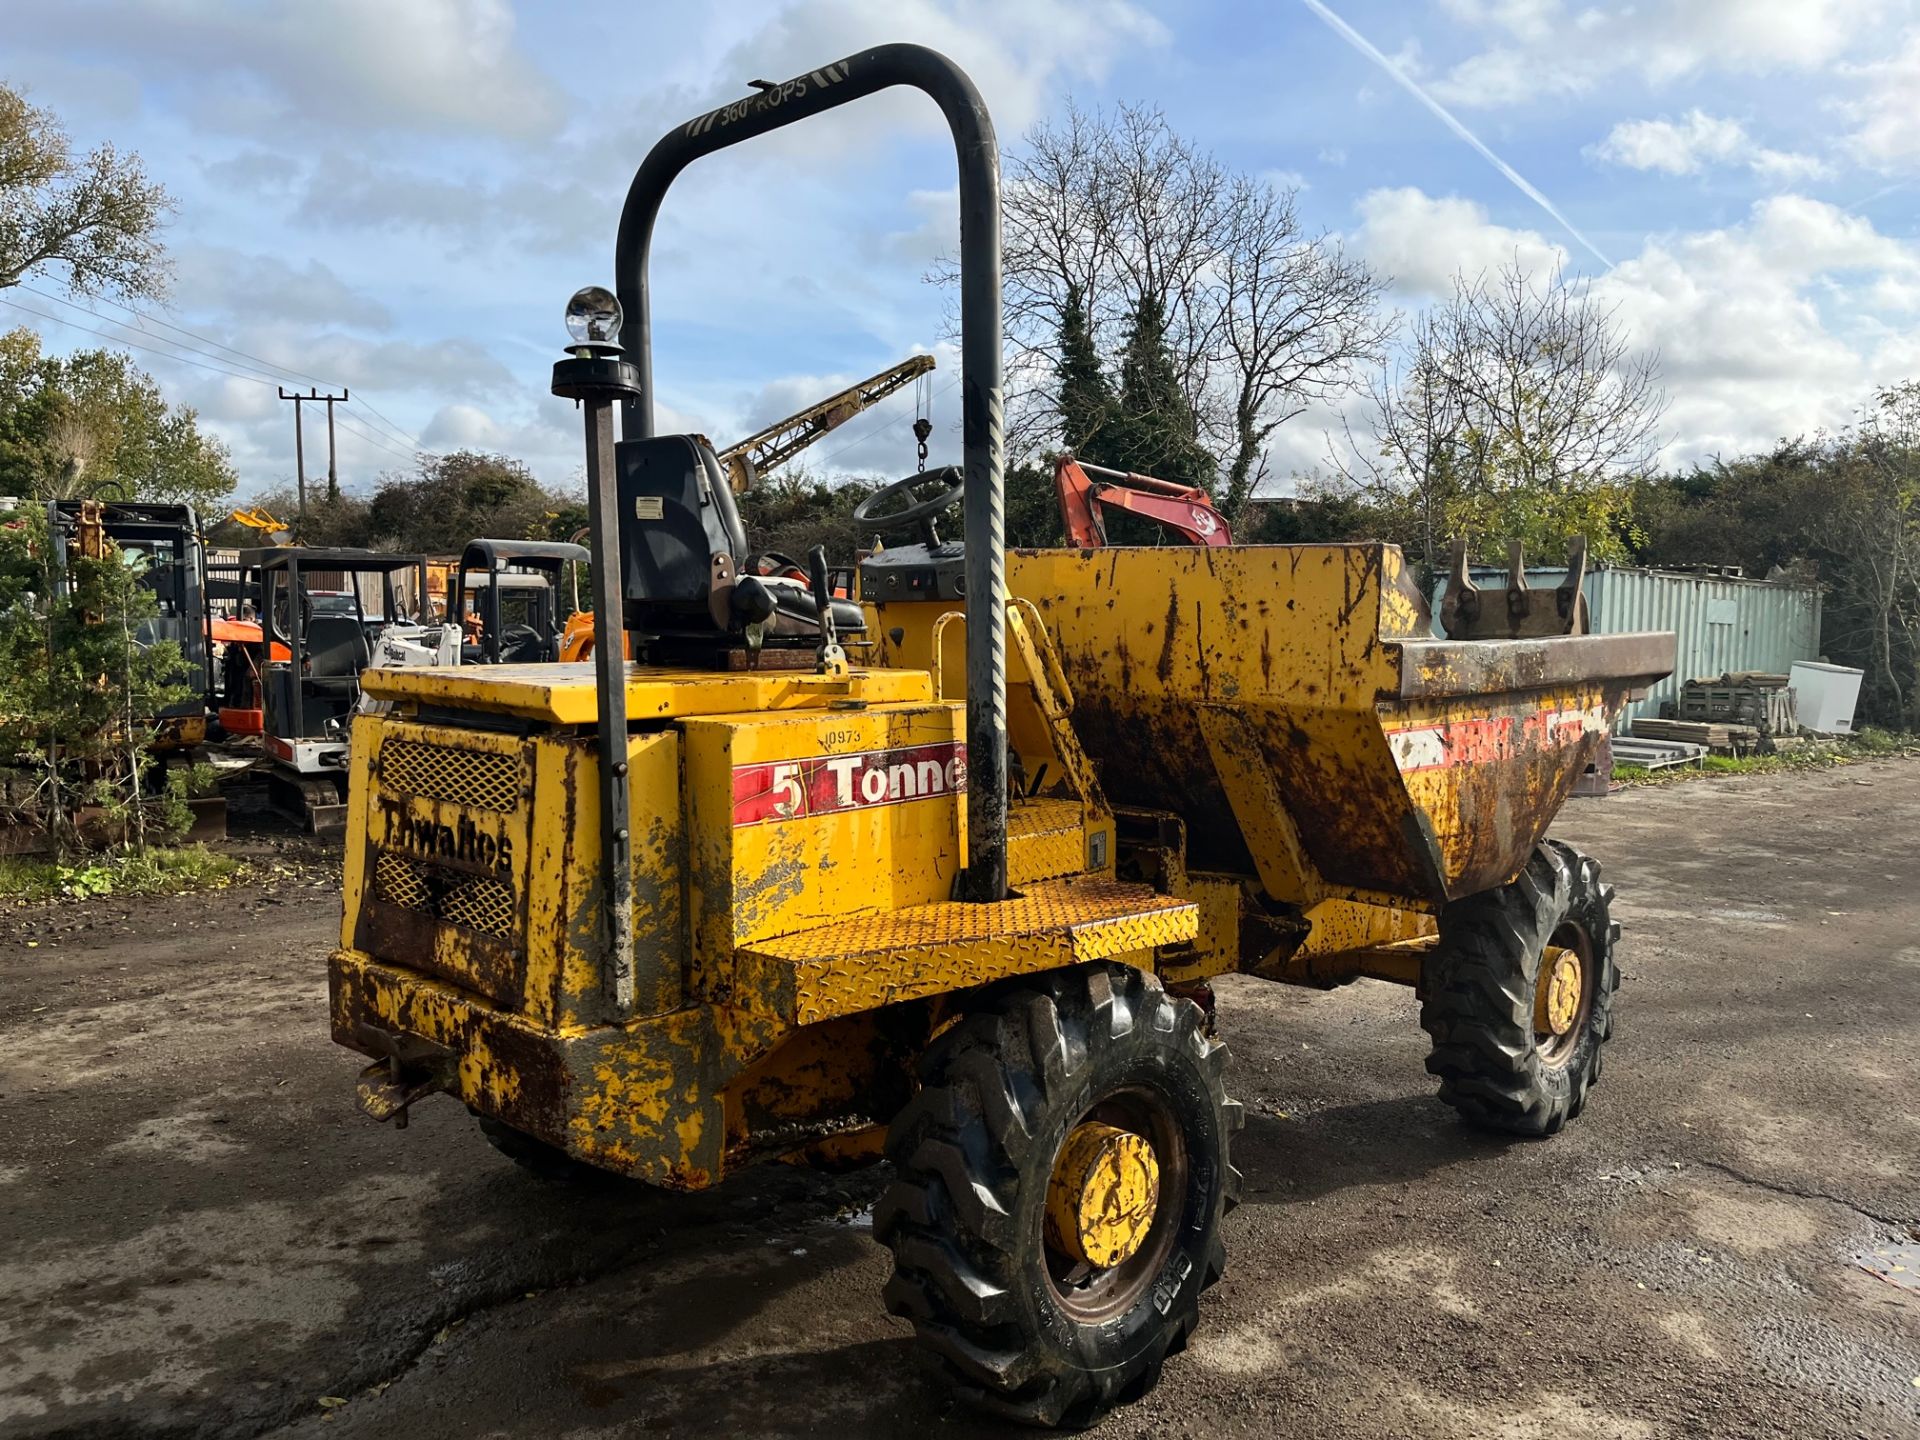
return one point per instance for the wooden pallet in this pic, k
(1715, 735)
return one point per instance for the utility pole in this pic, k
(299, 441)
(299, 455)
(333, 472)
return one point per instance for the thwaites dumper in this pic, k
(961, 899)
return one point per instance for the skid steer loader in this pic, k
(959, 897)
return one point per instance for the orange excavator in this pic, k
(1086, 491)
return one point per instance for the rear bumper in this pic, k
(641, 1099)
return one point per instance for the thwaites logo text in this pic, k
(794, 789)
(463, 841)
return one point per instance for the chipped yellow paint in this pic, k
(1274, 709)
(1216, 947)
(1043, 746)
(1506, 774)
(1557, 995)
(1251, 690)
(1346, 925)
(1047, 838)
(544, 956)
(570, 773)
(566, 694)
(756, 880)
(919, 951)
(1102, 1195)
(1039, 715)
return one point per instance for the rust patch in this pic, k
(1165, 668)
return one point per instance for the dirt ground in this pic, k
(200, 1235)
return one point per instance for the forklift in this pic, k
(311, 611)
(946, 874)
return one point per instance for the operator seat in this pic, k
(336, 653)
(678, 521)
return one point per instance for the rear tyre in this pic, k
(538, 1158)
(1519, 995)
(1027, 1316)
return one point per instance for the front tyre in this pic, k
(1061, 1179)
(1519, 995)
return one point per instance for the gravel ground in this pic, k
(200, 1235)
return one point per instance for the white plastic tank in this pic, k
(1825, 696)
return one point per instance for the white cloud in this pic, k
(1755, 338)
(1022, 54)
(1547, 47)
(1699, 141)
(1884, 107)
(1422, 241)
(446, 65)
(1780, 324)
(1677, 148)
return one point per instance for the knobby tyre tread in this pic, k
(1479, 1003)
(973, 1152)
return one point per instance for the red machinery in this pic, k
(1086, 490)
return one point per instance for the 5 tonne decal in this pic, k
(792, 789)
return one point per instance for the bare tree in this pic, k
(1112, 216)
(1297, 316)
(1517, 411)
(93, 222)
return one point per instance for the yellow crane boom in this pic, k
(782, 440)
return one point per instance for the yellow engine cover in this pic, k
(800, 819)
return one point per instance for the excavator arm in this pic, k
(1087, 490)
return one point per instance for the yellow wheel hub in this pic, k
(1101, 1198)
(1556, 1002)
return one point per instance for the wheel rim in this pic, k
(1113, 1203)
(1563, 995)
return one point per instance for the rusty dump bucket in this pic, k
(1292, 705)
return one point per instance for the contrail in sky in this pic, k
(1367, 48)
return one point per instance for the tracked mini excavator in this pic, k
(960, 898)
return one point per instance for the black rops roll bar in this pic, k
(984, 450)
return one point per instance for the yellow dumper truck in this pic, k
(946, 872)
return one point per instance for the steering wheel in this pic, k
(920, 513)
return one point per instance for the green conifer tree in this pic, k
(1155, 432)
(1087, 402)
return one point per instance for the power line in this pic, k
(152, 348)
(274, 372)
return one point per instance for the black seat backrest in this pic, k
(336, 645)
(676, 514)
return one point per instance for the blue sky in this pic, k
(399, 195)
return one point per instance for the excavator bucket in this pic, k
(1467, 613)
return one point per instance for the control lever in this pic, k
(830, 659)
